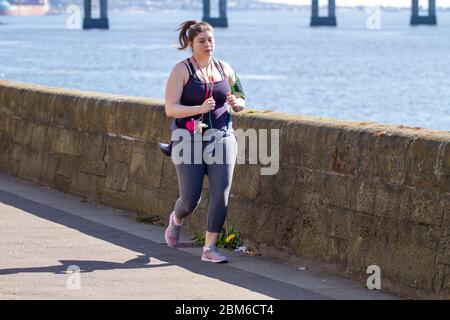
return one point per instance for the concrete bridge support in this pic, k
(429, 19)
(330, 20)
(222, 20)
(95, 23)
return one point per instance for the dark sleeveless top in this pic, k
(194, 93)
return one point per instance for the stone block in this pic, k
(422, 159)
(441, 282)
(409, 204)
(445, 293)
(336, 190)
(337, 251)
(3, 93)
(446, 157)
(6, 147)
(95, 167)
(40, 137)
(309, 146)
(63, 111)
(2, 121)
(139, 120)
(425, 208)
(24, 109)
(383, 157)
(93, 146)
(363, 193)
(88, 186)
(156, 201)
(6, 144)
(93, 151)
(288, 226)
(65, 141)
(125, 200)
(349, 234)
(91, 114)
(39, 106)
(444, 208)
(23, 132)
(10, 125)
(155, 125)
(32, 164)
(146, 164)
(118, 149)
(443, 250)
(17, 152)
(346, 155)
(67, 165)
(117, 175)
(359, 230)
(443, 168)
(169, 179)
(266, 227)
(312, 212)
(444, 181)
(307, 180)
(393, 201)
(48, 169)
(62, 183)
(246, 181)
(312, 245)
(276, 189)
(13, 168)
(12, 101)
(336, 222)
(245, 216)
(282, 227)
(397, 246)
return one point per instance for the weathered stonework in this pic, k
(347, 194)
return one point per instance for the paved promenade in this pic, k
(44, 232)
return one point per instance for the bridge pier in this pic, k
(95, 23)
(330, 20)
(222, 20)
(429, 19)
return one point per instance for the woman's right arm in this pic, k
(174, 90)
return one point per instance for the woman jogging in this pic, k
(198, 91)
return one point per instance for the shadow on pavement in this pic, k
(148, 249)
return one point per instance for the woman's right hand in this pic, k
(208, 105)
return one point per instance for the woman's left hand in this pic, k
(234, 102)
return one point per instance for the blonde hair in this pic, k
(189, 30)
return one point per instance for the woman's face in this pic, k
(203, 44)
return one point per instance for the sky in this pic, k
(354, 3)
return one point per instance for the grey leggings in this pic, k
(220, 176)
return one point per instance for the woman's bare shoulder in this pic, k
(226, 66)
(181, 71)
(229, 72)
(180, 67)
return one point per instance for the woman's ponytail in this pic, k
(183, 37)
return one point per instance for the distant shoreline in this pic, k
(56, 11)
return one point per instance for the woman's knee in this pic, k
(189, 204)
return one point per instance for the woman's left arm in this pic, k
(236, 98)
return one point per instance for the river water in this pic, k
(396, 74)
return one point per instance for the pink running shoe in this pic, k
(172, 233)
(211, 254)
